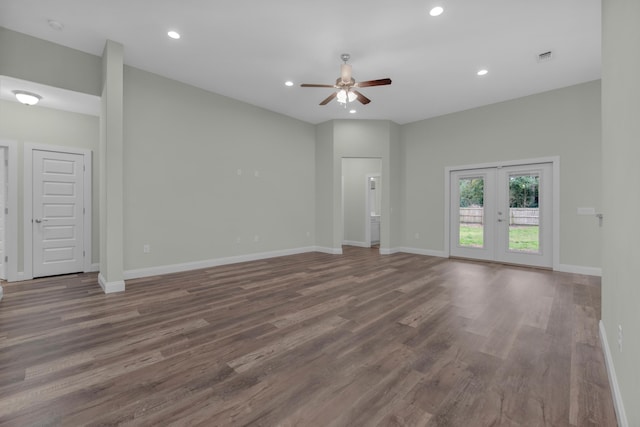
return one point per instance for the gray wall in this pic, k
(620, 154)
(564, 123)
(53, 127)
(183, 195)
(28, 58)
(354, 173)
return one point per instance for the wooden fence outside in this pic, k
(517, 216)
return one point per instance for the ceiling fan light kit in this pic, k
(346, 85)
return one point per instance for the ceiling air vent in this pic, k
(545, 56)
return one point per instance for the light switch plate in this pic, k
(586, 211)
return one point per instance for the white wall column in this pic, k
(111, 275)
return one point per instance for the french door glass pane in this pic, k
(524, 213)
(471, 222)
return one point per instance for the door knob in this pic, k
(499, 220)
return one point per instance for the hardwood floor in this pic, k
(308, 340)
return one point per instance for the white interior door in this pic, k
(4, 192)
(58, 202)
(503, 214)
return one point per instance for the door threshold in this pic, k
(511, 264)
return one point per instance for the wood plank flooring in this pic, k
(308, 340)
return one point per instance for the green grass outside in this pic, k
(521, 238)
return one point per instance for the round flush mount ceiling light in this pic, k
(174, 34)
(56, 25)
(352, 111)
(436, 11)
(288, 83)
(482, 72)
(27, 98)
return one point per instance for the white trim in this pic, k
(110, 287)
(555, 173)
(325, 250)
(555, 164)
(427, 252)
(95, 267)
(11, 233)
(578, 269)
(195, 265)
(27, 202)
(618, 404)
(1, 293)
(389, 251)
(354, 243)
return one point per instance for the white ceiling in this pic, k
(247, 49)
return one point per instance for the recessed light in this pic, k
(352, 111)
(27, 98)
(56, 25)
(288, 83)
(436, 11)
(482, 72)
(174, 35)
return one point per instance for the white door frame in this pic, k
(28, 202)
(11, 226)
(555, 162)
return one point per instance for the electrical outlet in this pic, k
(146, 248)
(308, 234)
(238, 239)
(417, 236)
(256, 238)
(620, 336)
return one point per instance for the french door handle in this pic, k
(38, 221)
(500, 220)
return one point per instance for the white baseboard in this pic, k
(613, 379)
(325, 250)
(1, 293)
(389, 251)
(110, 287)
(177, 268)
(428, 252)
(354, 243)
(578, 269)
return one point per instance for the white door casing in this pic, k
(10, 209)
(4, 190)
(57, 210)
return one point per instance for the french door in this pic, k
(503, 214)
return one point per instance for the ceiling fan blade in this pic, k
(329, 98)
(345, 73)
(379, 82)
(363, 99)
(314, 85)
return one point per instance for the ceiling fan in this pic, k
(346, 85)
